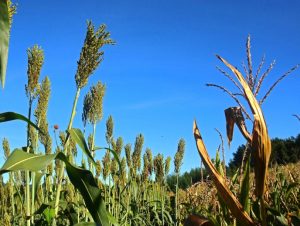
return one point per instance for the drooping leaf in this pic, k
(233, 116)
(9, 116)
(114, 154)
(20, 160)
(260, 141)
(233, 204)
(78, 137)
(229, 124)
(38, 177)
(245, 188)
(4, 39)
(82, 180)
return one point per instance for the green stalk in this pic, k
(78, 208)
(27, 172)
(61, 172)
(162, 205)
(93, 145)
(263, 211)
(33, 178)
(12, 193)
(109, 209)
(176, 200)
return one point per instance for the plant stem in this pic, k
(12, 193)
(263, 211)
(93, 145)
(27, 172)
(61, 172)
(33, 177)
(176, 201)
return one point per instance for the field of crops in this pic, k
(45, 183)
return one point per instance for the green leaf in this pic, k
(9, 116)
(4, 39)
(41, 209)
(78, 137)
(49, 214)
(82, 180)
(290, 187)
(20, 160)
(86, 224)
(235, 176)
(38, 177)
(112, 220)
(114, 154)
(245, 188)
(282, 220)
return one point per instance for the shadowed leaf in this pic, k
(246, 187)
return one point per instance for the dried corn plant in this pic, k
(248, 88)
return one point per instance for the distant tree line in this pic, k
(284, 151)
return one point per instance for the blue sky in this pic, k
(156, 73)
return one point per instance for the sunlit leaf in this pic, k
(78, 137)
(4, 39)
(114, 154)
(82, 180)
(233, 204)
(20, 160)
(260, 141)
(9, 116)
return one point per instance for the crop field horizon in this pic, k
(149, 114)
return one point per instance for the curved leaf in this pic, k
(233, 204)
(38, 177)
(114, 154)
(78, 137)
(260, 141)
(9, 116)
(20, 160)
(82, 180)
(4, 39)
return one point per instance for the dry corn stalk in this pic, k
(260, 141)
(233, 204)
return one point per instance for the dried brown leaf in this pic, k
(229, 115)
(261, 143)
(233, 204)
